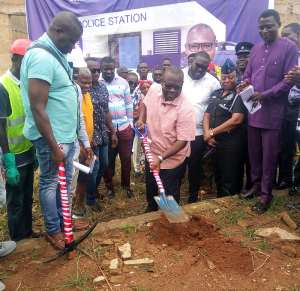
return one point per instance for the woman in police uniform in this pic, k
(223, 130)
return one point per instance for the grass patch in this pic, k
(294, 288)
(128, 228)
(264, 246)
(277, 205)
(77, 280)
(140, 288)
(99, 251)
(242, 202)
(250, 233)
(233, 216)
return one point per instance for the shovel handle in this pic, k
(149, 158)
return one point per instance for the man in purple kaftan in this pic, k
(269, 62)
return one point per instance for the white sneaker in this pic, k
(2, 286)
(6, 247)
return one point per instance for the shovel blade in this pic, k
(170, 208)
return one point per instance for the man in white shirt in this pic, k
(197, 87)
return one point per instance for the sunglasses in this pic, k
(174, 87)
(95, 71)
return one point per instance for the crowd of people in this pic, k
(53, 111)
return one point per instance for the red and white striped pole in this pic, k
(65, 204)
(149, 158)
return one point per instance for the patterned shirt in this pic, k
(100, 104)
(120, 103)
(136, 98)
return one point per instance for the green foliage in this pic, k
(233, 216)
(140, 288)
(128, 228)
(277, 204)
(250, 233)
(78, 280)
(264, 246)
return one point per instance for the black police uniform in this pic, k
(228, 158)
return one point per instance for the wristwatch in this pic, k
(211, 133)
(160, 158)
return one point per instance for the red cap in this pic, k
(20, 46)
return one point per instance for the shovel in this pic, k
(170, 208)
(70, 243)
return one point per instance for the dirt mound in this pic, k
(180, 235)
(205, 241)
(228, 255)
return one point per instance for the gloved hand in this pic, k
(12, 173)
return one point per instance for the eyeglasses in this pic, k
(204, 46)
(170, 87)
(94, 71)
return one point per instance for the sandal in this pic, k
(56, 240)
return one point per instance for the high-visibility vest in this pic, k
(17, 142)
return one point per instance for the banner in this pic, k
(133, 31)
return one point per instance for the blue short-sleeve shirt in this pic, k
(62, 103)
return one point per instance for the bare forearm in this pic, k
(109, 122)
(175, 148)
(206, 122)
(143, 113)
(3, 136)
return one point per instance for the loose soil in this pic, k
(225, 253)
(191, 256)
(211, 252)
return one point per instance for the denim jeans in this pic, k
(48, 183)
(100, 166)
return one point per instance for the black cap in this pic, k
(243, 47)
(228, 67)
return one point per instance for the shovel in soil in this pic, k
(70, 243)
(170, 208)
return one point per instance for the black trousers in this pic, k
(297, 167)
(195, 171)
(245, 166)
(19, 204)
(171, 179)
(287, 153)
(228, 161)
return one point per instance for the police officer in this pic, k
(242, 51)
(223, 131)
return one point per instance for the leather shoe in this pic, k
(283, 185)
(254, 191)
(294, 191)
(260, 207)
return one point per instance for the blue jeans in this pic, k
(48, 183)
(100, 166)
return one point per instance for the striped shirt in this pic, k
(120, 103)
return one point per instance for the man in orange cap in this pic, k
(18, 152)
